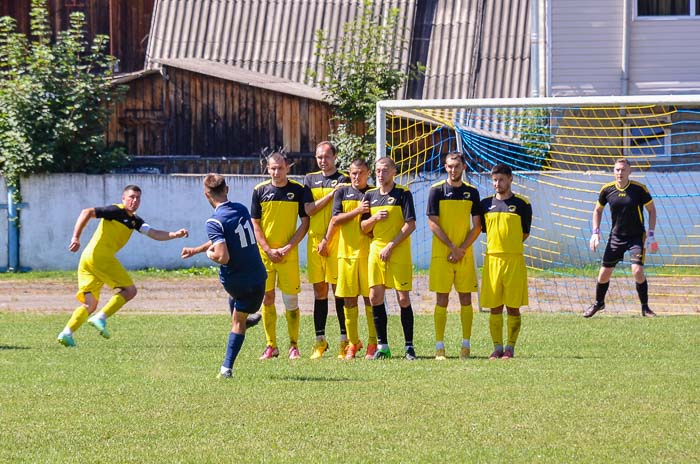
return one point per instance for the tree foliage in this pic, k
(55, 99)
(360, 68)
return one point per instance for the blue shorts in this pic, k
(245, 299)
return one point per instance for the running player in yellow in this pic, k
(391, 220)
(322, 249)
(353, 251)
(627, 199)
(506, 219)
(99, 264)
(451, 204)
(275, 206)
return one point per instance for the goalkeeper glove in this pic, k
(651, 244)
(595, 240)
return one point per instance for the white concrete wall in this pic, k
(562, 205)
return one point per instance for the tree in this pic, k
(360, 68)
(55, 99)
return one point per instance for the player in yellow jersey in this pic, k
(506, 219)
(99, 264)
(353, 252)
(391, 220)
(627, 200)
(322, 249)
(451, 204)
(275, 208)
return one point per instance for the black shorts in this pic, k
(617, 246)
(245, 299)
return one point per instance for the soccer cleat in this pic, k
(497, 354)
(382, 354)
(320, 347)
(594, 308)
(294, 352)
(410, 354)
(371, 350)
(464, 353)
(647, 312)
(65, 340)
(508, 353)
(352, 350)
(269, 353)
(252, 320)
(440, 354)
(343, 348)
(100, 325)
(226, 374)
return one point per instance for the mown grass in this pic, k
(609, 389)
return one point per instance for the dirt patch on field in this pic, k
(204, 295)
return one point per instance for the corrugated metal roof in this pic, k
(244, 76)
(478, 48)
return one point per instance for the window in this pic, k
(650, 140)
(656, 8)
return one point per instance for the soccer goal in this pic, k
(562, 151)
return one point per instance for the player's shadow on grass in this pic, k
(13, 347)
(307, 378)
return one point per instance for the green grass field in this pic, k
(609, 389)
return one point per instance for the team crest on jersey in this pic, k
(467, 195)
(334, 182)
(290, 195)
(391, 200)
(512, 208)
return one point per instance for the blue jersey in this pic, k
(231, 223)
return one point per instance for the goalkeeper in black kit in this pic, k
(627, 201)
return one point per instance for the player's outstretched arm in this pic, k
(80, 223)
(218, 253)
(188, 252)
(163, 235)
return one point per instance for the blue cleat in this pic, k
(100, 325)
(65, 340)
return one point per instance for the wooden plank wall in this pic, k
(131, 23)
(190, 114)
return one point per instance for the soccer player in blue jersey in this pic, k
(99, 264)
(627, 201)
(232, 245)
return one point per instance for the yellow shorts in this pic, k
(504, 281)
(96, 271)
(444, 274)
(284, 274)
(394, 275)
(352, 278)
(321, 268)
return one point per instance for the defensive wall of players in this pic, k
(561, 215)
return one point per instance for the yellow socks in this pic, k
(269, 318)
(351, 324)
(513, 329)
(466, 314)
(293, 326)
(371, 331)
(440, 318)
(80, 315)
(114, 304)
(496, 328)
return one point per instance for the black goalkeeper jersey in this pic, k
(626, 206)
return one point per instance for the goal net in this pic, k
(562, 151)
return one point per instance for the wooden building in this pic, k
(195, 116)
(126, 22)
